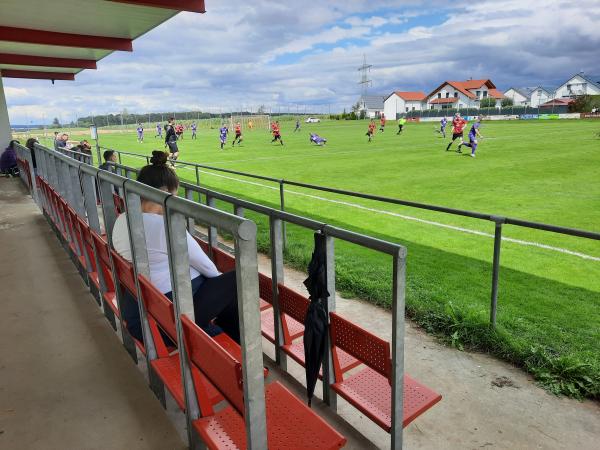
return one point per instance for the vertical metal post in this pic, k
(246, 267)
(282, 208)
(398, 311)
(139, 257)
(191, 223)
(277, 276)
(212, 231)
(119, 156)
(496, 268)
(90, 210)
(329, 396)
(197, 177)
(238, 210)
(183, 303)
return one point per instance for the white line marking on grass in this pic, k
(414, 219)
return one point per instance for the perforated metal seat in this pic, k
(267, 325)
(369, 390)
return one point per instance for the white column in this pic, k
(5, 133)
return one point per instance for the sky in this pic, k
(301, 56)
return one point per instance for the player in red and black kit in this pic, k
(371, 129)
(276, 133)
(382, 123)
(238, 134)
(458, 125)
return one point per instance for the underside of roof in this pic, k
(43, 39)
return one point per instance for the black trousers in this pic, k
(214, 299)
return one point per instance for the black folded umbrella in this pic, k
(315, 323)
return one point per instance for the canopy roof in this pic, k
(57, 39)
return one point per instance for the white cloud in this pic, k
(229, 56)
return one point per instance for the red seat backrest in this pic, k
(291, 303)
(159, 307)
(358, 342)
(219, 367)
(103, 256)
(223, 260)
(119, 204)
(87, 241)
(124, 272)
(265, 288)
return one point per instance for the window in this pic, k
(439, 95)
(485, 94)
(447, 94)
(478, 94)
(413, 108)
(432, 107)
(406, 109)
(456, 95)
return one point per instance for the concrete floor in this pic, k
(66, 382)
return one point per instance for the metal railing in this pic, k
(498, 220)
(77, 181)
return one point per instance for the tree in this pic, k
(55, 123)
(487, 102)
(356, 107)
(261, 109)
(506, 101)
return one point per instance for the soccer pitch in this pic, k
(544, 171)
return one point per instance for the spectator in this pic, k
(62, 142)
(214, 294)
(83, 147)
(8, 161)
(109, 156)
(30, 144)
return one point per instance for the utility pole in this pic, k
(364, 77)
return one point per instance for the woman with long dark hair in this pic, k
(215, 294)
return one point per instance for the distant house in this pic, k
(540, 95)
(557, 102)
(462, 94)
(402, 102)
(579, 84)
(520, 96)
(372, 105)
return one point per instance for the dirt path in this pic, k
(486, 403)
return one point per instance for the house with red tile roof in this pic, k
(403, 102)
(462, 94)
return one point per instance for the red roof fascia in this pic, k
(411, 96)
(43, 37)
(179, 5)
(44, 61)
(9, 73)
(444, 100)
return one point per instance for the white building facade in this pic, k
(580, 84)
(401, 102)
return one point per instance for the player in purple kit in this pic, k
(140, 133)
(443, 124)
(158, 131)
(194, 127)
(473, 135)
(223, 135)
(315, 138)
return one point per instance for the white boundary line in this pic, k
(415, 219)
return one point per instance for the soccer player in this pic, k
(401, 123)
(276, 133)
(171, 140)
(140, 133)
(371, 129)
(473, 135)
(238, 134)
(297, 125)
(316, 139)
(458, 124)
(443, 124)
(382, 123)
(223, 135)
(158, 131)
(194, 127)
(179, 131)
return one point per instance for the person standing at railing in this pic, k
(214, 293)
(109, 156)
(30, 144)
(171, 140)
(158, 131)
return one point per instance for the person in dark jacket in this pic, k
(8, 161)
(171, 140)
(30, 144)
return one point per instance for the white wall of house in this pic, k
(393, 106)
(577, 85)
(540, 96)
(516, 97)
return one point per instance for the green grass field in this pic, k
(546, 171)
